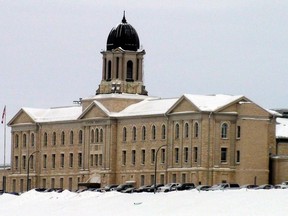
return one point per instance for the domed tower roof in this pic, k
(124, 36)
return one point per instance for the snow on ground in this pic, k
(233, 202)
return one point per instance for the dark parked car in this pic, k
(265, 186)
(203, 187)
(249, 186)
(143, 188)
(128, 190)
(123, 187)
(185, 186)
(224, 186)
(151, 189)
(109, 187)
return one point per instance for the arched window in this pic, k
(163, 132)
(177, 131)
(196, 130)
(186, 135)
(45, 139)
(109, 71)
(80, 138)
(117, 67)
(24, 140)
(153, 132)
(63, 138)
(224, 131)
(143, 133)
(54, 138)
(124, 134)
(134, 132)
(129, 74)
(92, 136)
(16, 141)
(71, 137)
(32, 139)
(101, 135)
(97, 135)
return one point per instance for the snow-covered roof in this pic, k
(148, 107)
(120, 96)
(54, 114)
(211, 102)
(281, 128)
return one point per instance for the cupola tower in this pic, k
(122, 69)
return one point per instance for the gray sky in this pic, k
(50, 49)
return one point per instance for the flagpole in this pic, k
(5, 140)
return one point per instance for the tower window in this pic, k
(129, 74)
(109, 71)
(224, 131)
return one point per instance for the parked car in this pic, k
(265, 186)
(185, 186)
(280, 186)
(128, 190)
(203, 187)
(249, 186)
(143, 188)
(224, 186)
(168, 187)
(122, 187)
(151, 189)
(109, 187)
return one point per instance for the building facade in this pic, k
(121, 134)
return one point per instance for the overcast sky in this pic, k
(50, 49)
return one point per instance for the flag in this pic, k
(3, 114)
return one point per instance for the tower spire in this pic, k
(124, 19)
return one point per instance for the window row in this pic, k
(96, 160)
(63, 141)
(186, 132)
(225, 131)
(96, 135)
(25, 140)
(45, 160)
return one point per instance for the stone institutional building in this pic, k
(113, 136)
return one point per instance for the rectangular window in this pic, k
(52, 182)
(100, 159)
(153, 156)
(174, 177)
(70, 183)
(142, 156)
(162, 179)
(238, 133)
(62, 160)
(183, 177)
(80, 160)
(176, 155)
(142, 180)
(152, 179)
(16, 162)
(238, 156)
(24, 161)
(186, 155)
(163, 155)
(44, 182)
(71, 160)
(133, 157)
(223, 155)
(96, 160)
(61, 183)
(44, 161)
(195, 155)
(91, 160)
(123, 157)
(53, 161)
(21, 185)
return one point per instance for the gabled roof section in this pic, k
(94, 110)
(148, 107)
(282, 128)
(212, 103)
(46, 115)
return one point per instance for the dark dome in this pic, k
(124, 36)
